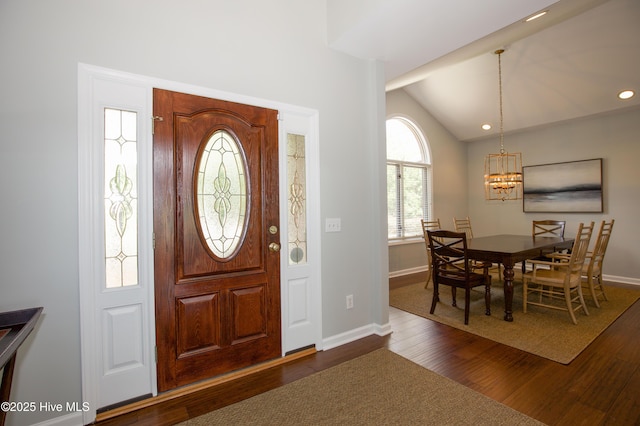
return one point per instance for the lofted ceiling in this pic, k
(569, 64)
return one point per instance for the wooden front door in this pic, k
(217, 276)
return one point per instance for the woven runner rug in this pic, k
(380, 388)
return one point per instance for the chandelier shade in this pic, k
(503, 171)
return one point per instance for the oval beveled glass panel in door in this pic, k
(221, 194)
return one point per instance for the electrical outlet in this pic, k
(332, 224)
(350, 301)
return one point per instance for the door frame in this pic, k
(291, 118)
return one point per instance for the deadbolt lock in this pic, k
(273, 230)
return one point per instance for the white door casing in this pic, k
(117, 323)
(301, 326)
(117, 326)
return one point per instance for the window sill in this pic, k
(406, 241)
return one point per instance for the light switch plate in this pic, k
(332, 224)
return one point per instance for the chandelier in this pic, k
(503, 171)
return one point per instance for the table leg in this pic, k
(508, 292)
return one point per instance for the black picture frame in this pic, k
(569, 187)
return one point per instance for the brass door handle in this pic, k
(274, 247)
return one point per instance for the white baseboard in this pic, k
(623, 280)
(408, 271)
(355, 334)
(382, 330)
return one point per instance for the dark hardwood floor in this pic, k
(600, 387)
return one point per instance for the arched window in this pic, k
(408, 179)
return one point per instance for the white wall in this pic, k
(273, 50)
(448, 157)
(614, 138)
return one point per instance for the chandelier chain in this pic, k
(499, 52)
(503, 171)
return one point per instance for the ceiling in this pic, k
(569, 64)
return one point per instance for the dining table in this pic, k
(507, 249)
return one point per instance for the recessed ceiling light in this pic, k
(486, 127)
(536, 16)
(626, 94)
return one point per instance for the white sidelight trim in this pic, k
(97, 89)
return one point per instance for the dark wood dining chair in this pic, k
(429, 225)
(452, 267)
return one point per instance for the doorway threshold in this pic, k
(204, 384)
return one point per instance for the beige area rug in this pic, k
(544, 332)
(380, 388)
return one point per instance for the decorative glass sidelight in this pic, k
(222, 194)
(120, 198)
(297, 189)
